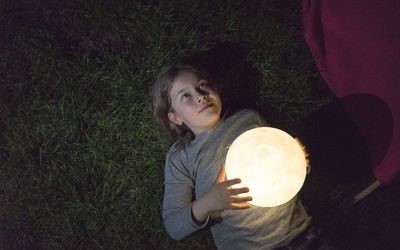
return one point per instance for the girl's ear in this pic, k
(174, 118)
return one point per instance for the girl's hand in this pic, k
(221, 196)
(306, 154)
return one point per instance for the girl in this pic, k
(186, 102)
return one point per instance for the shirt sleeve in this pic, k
(177, 203)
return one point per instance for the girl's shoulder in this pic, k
(175, 148)
(245, 113)
(248, 115)
(248, 112)
(179, 151)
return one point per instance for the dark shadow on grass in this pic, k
(342, 153)
(237, 80)
(338, 157)
(342, 157)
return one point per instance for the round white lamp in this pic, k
(270, 163)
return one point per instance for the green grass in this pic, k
(80, 156)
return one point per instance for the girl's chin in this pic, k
(212, 109)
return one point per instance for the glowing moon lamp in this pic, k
(270, 163)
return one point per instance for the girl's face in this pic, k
(194, 103)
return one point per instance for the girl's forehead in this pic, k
(186, 76)
(183, 79)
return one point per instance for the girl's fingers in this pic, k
(305, 151)
(242, 190)
(238, 202)
(231, 182)
(237, 199)
(238, 206)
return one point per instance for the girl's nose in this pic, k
(201, 97)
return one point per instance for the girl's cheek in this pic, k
(191, 106)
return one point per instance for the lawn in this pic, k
(81, 159)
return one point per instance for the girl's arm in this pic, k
(221, 196)
(177, 203)
(183, 217)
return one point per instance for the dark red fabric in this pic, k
(356, 45)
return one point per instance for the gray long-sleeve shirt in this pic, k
(192, 170)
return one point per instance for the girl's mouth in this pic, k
(205, 107)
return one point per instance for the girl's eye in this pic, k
(185, 96)
(204, 85)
